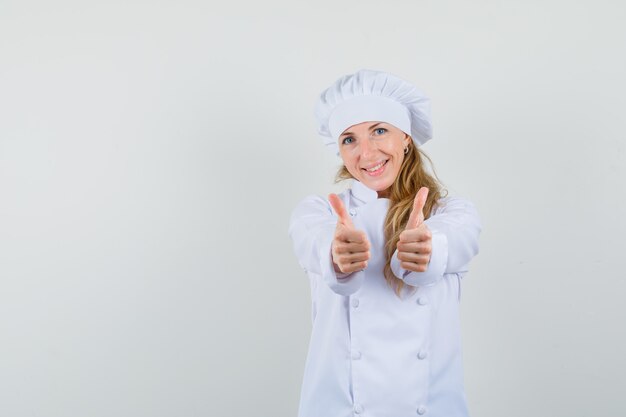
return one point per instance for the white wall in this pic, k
(151, 153)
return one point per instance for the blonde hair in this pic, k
(411, 178)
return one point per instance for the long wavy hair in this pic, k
(412, 176)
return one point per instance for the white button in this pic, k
(355, 302)
(352, 212)
(422, 354)
(421, 410)
(356, 354)
(422, 301)
(358, 408)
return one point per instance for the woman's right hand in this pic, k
(350, 247)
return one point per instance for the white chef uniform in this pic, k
(372, 354)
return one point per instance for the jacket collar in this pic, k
(361, 192)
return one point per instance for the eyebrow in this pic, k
(350, 133)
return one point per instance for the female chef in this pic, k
(385, 260)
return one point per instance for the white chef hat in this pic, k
(369, 95)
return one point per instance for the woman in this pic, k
(385, 260)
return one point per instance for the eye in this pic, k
(346, 143)
(381, 130)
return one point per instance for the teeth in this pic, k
(376, 167)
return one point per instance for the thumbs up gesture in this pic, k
(350, 247)
(415, 244)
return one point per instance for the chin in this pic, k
(375, 185)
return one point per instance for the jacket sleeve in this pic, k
(455, 228)
(311, 229)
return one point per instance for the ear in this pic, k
(407, 140)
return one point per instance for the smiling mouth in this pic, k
(377, 167)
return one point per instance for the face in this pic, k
(365, 146)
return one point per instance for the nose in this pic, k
(368, 148)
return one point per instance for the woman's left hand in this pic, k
(415, 244)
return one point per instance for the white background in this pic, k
(151, 154)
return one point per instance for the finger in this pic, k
(420, 234)
(340, 209)
(417, 258)
(417, 214)
(345, 247)
(356, 266)
(415, 247)
(357, 247)
(412, 266)
(346, 234)
(354, 257)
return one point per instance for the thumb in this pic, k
(340, 209)
(417, 215)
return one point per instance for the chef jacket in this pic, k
(372, 354)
